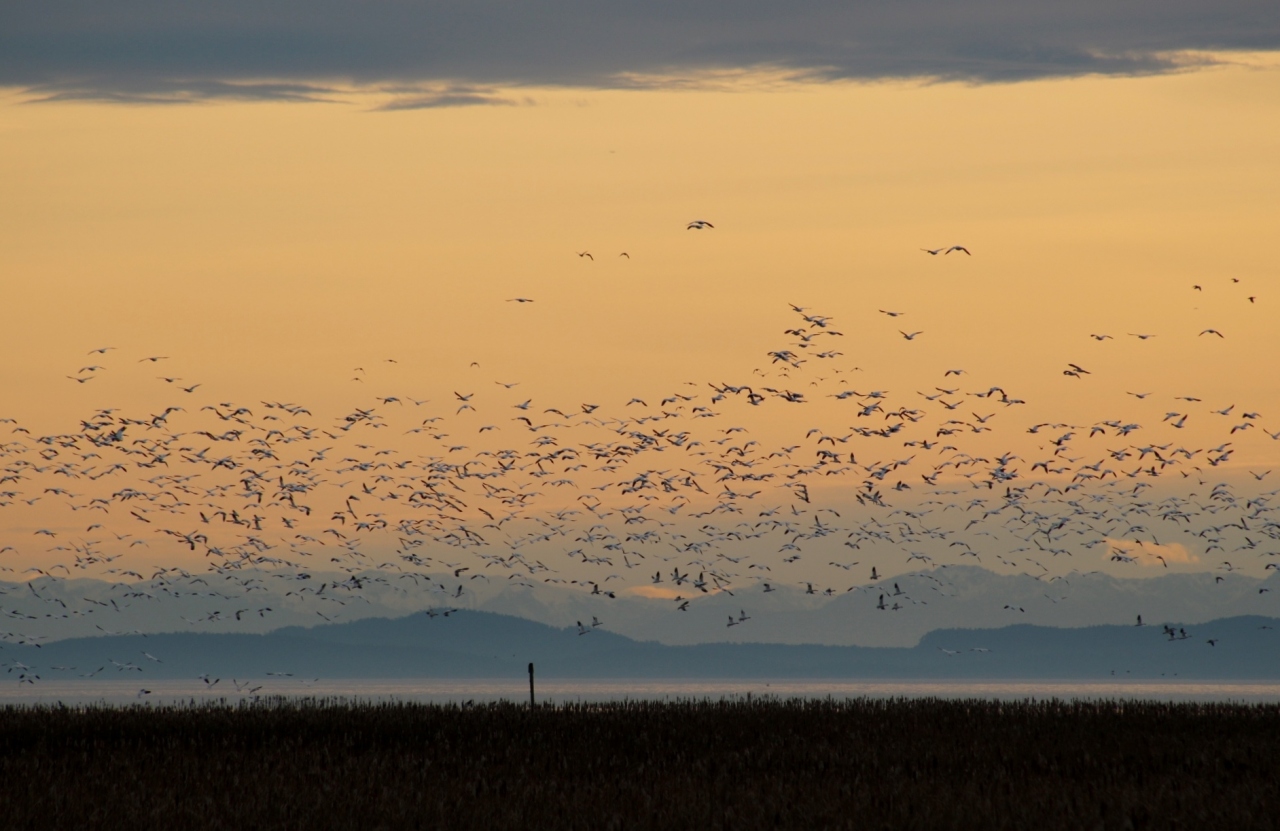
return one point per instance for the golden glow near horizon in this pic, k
(268, 250)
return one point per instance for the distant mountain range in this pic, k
(471, 644)
(947, 597)
(943, 598)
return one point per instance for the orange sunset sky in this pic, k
(366, 238)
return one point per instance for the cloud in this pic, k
(1149, 553)
(158, 51)
(655, 592)
(163, 91)
(451, 97)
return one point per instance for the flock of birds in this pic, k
(681, 495)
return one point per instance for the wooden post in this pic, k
(531, 701)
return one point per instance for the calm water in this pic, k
(432, 690)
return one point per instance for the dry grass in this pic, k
(859, 764)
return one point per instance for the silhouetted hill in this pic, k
(468, 644)
(941, 598)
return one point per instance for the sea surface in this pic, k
(126, 692)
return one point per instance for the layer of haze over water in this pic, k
(167, 692)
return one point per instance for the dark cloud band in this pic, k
(159, 50)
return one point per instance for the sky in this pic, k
(336, 205)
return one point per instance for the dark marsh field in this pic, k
(856, 764)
